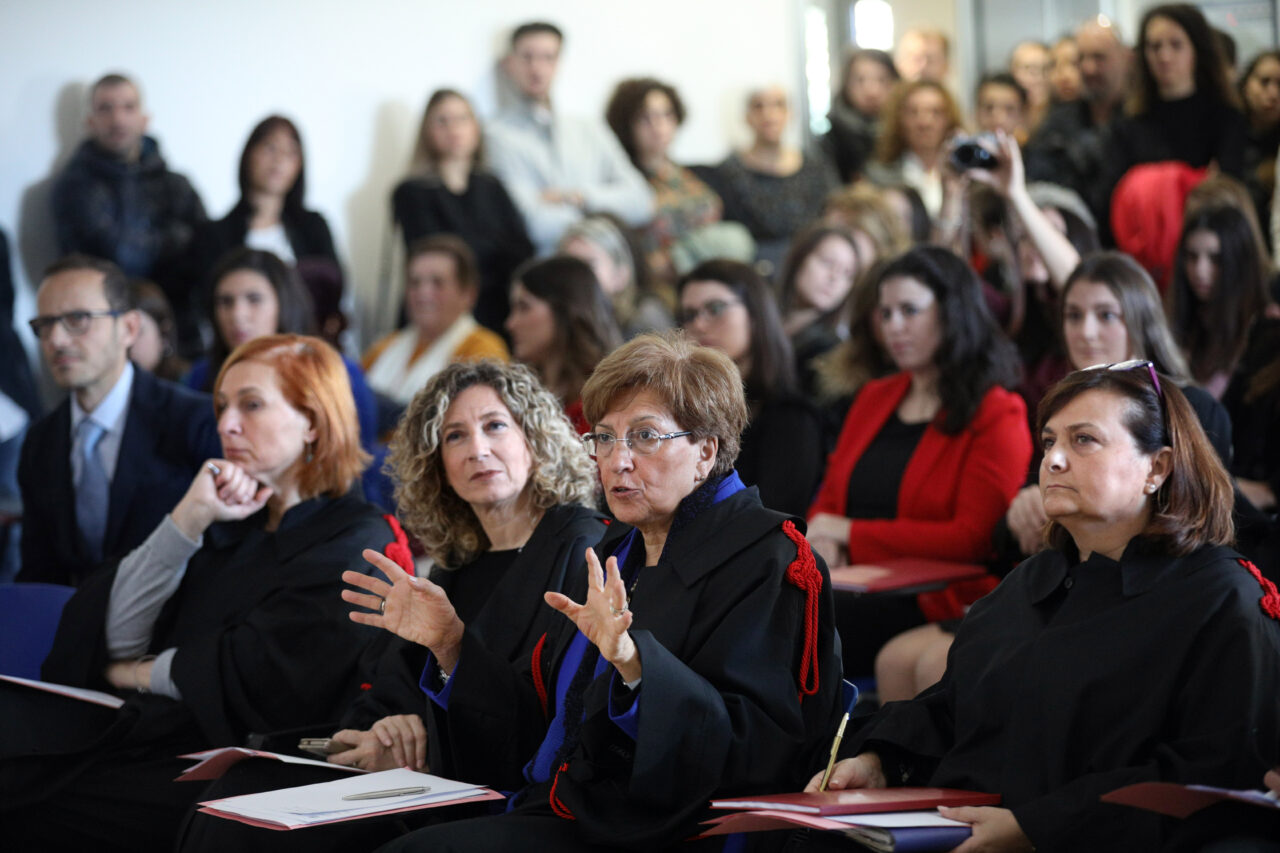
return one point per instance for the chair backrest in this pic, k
(29, 614)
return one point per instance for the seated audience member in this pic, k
(1183, 106)
(225, 621)
(117, 200)
(923, 54)
(441, 282)
(606, 246)
(928, 458)
(561, 326)
(555, 167)
(912, 149)
(840, 373)
(1219, 290)
(1138, 647)
(1109, 312)
(1064, 71)
(19, 407)
(817, 283)
(1001, 103)
(865, 87)
(99, 471)
(908, 206)
(1253, 401)
(255, 294)
(772, 188)
(1030, 65)
(728, 306)
(497, 542)
(270, 215)
(450, 190)
(645, 114)
(1069, 147)
(155, 349)
(1260, 94)
(866, 212)
(690, 672)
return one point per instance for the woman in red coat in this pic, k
(930, 457)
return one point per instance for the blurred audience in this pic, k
(1260, 94)
(613, 255)
(450, 190)
(155, 349)
(816, 286)
(865, 86)
(912, 149)
(923, 54)
(1064, 72)
(1030, 64)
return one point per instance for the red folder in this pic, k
(1170, 798)
(904, 574)
(860, 801)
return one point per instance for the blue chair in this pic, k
(29, 614)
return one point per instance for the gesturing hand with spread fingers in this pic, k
(604, 617)
(409, 607)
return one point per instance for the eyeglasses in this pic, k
(642, 442)
(714, 310)
(75, 322)
(1133, 364)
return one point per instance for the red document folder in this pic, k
(904, 574)
(860, 801)
(1174, 800)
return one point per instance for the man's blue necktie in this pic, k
(93, 495)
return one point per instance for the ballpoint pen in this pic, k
(390, 792)
(835, 744)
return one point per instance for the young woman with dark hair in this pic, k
(1260, 95)
(270, 216)
(868, 81)
(1219, 289)
(1182, 106)
(449, 191)
(561, 325)
(818, 279)
(727, 305)
(929, 457)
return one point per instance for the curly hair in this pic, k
(892, 143)
(625, 105)
(430, 509)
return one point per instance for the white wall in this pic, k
(355, 77)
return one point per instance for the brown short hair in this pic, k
(1192, 508)
(700, 385)
(627, 101)
(115, 286)
(464, 259)
(313, 379)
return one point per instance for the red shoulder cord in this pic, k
(539, 684)
(1270, 601)
(560, 809)
(803, 573)
(399, 550)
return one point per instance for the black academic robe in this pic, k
(1070, 680)
(512, 618)
(263, 640)
(722, 633)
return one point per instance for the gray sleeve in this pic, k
(161, 682)
(145, 580)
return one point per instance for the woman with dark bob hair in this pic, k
(727, 305)
(213, 627)
(496, 486)
(270, 215)
(1139, 647)
(929, 457)
(561, 325)
(702, 663)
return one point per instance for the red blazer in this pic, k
(953, 490)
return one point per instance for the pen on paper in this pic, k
(390, 792)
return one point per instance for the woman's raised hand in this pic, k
(409, 607)
(221, 491)
(604, 618)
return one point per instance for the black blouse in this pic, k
(874, 482)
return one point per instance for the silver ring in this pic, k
(616, 612)
(213, 469)
(382, 608)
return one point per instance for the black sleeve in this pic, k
(40, 563)
(412, 210)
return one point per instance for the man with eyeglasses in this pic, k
(99, 472)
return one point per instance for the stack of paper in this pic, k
(105, 699)
(312, 805)
(215, 762)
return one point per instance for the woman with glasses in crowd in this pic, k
(727, 305)
(1137, 647)
(700, 663)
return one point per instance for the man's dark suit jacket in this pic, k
(169, 430)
